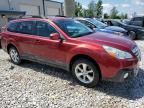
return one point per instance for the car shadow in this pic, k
(132, 89)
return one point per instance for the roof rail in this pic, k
(60, 16)
(31, 16)
(55, 16)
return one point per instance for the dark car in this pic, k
(102, 27)
(70, 45)
(136, 32)
(137, 21)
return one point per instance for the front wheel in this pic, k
(85, 72)
(14, 55)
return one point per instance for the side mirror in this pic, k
(55, 36)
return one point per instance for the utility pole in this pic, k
(9, 4)
(69, 8)
(44, 7)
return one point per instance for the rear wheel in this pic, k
(85, 72)
(14, 55)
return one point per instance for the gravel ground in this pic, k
(33, 85)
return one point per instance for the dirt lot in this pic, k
(33, 85)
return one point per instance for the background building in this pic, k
(10, 9)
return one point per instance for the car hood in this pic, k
(115, 28)
(108, 39)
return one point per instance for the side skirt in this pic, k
(46, 62)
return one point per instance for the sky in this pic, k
(123, 6)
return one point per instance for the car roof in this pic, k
(59, 18)
(39, 19)
(79, 18)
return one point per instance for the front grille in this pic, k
(136, 52)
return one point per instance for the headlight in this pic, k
(117, 53)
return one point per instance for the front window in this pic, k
(44, 29)
(73, 28)
(99, 24)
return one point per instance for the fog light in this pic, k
(126, 75)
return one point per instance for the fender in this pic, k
(84, 50)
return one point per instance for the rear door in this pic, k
(25, 37)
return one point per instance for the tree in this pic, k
(126, 16)
(78, 9)
(122, 16)
(106, 16)
(99, 9)
(114, 13)
(91, 9)
(85, 13)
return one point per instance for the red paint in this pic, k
(63, 52)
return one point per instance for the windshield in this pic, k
(98, 24)
(73, 28)
(121, 23)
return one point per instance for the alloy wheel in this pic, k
(84, 73)
(14, 55)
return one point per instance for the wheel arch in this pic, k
(9, 46)
(82, 56)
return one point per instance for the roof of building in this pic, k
(12, 12)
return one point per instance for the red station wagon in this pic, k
(68, 44)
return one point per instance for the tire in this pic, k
(132, 35)
(14, 55)
(88, 78)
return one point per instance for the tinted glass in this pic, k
(12, 27)
(44, 29)
(99, 24)
(73, 28)
(115, 23)
(137, 19)
(26, 27)
(88, 24)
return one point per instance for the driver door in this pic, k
(45, 49)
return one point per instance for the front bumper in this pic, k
(115, 70)
(124, 74)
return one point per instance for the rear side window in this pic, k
(44, 29)
(26, 27)
(137, 19)
(12, 27)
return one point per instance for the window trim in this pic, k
(53, 27)
(48, 25)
